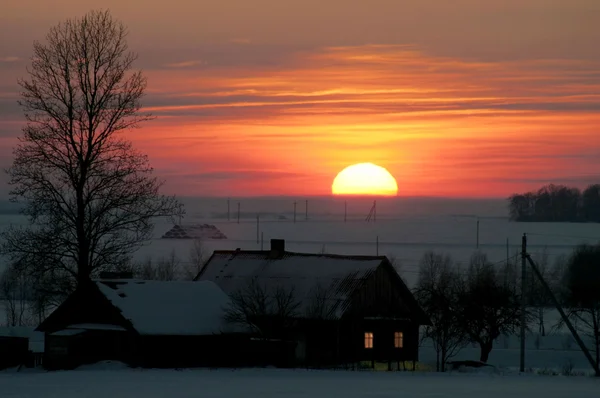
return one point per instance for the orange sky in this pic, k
(260, 110)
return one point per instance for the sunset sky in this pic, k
(274, 97)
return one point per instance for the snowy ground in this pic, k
(267, 383)
(405, 228)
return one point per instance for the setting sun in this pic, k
(364, 179)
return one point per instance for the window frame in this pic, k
(399, 338)
(369, 340)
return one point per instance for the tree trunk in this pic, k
(486, 348)
(542, 328)
(444, 354)
(596, 336)
(437, 360)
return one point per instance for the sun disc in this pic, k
(364, 179)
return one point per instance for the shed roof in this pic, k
(309, 275)
(169, 307)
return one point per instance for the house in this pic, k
(13, 351)
(143, 323)
(340, 309)
(20, 345)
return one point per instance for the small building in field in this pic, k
(20, 346)
(338, 309)
(143, 323)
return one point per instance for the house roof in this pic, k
(169, 308)
(331, 278)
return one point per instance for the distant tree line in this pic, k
(556, 203)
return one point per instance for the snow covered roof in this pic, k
(68, 332)
(36, 339)
(21, 331)
(96, 326)
(169, 307)
(325, 281)
(194, 231)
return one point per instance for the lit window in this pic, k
(368, 340)
(398, 339)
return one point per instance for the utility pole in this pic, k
(345, 210)
(306, 213)
(564, 316)
(294, 212)
(477, 239)
(374, 211)
(523, 300)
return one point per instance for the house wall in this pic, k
(68, 352)
(226, 350)
(13, 351)
(333, 342)
(378, 307)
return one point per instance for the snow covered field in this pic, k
(271, 383)
(405, 228)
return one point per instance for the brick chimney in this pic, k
(277, 248)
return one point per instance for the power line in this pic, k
(564, 236)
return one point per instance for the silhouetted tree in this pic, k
(437, 293)
(555, 203)
(581, 294)
(321, 305)
(197, 258)
(90, 197)
(591, 203)
(165, 268)
(520, 207)
(536, 293)
(270, 311)
(15, 291)
(488, 306)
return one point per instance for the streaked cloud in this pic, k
(240, 40)
(9, 59)
(185, 64)
(274, 98)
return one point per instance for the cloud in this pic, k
(242, 174)
(185, 64)
(240, 41)
(9, 59)
(266, 119)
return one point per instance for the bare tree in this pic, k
(145, 270)
(167, 268)
(581, 293)
(536, 294)
(270, 311)
(488, 307)
(90, 197)
(16, 295)
(197, 259)
(322, 304)
(437, 293)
